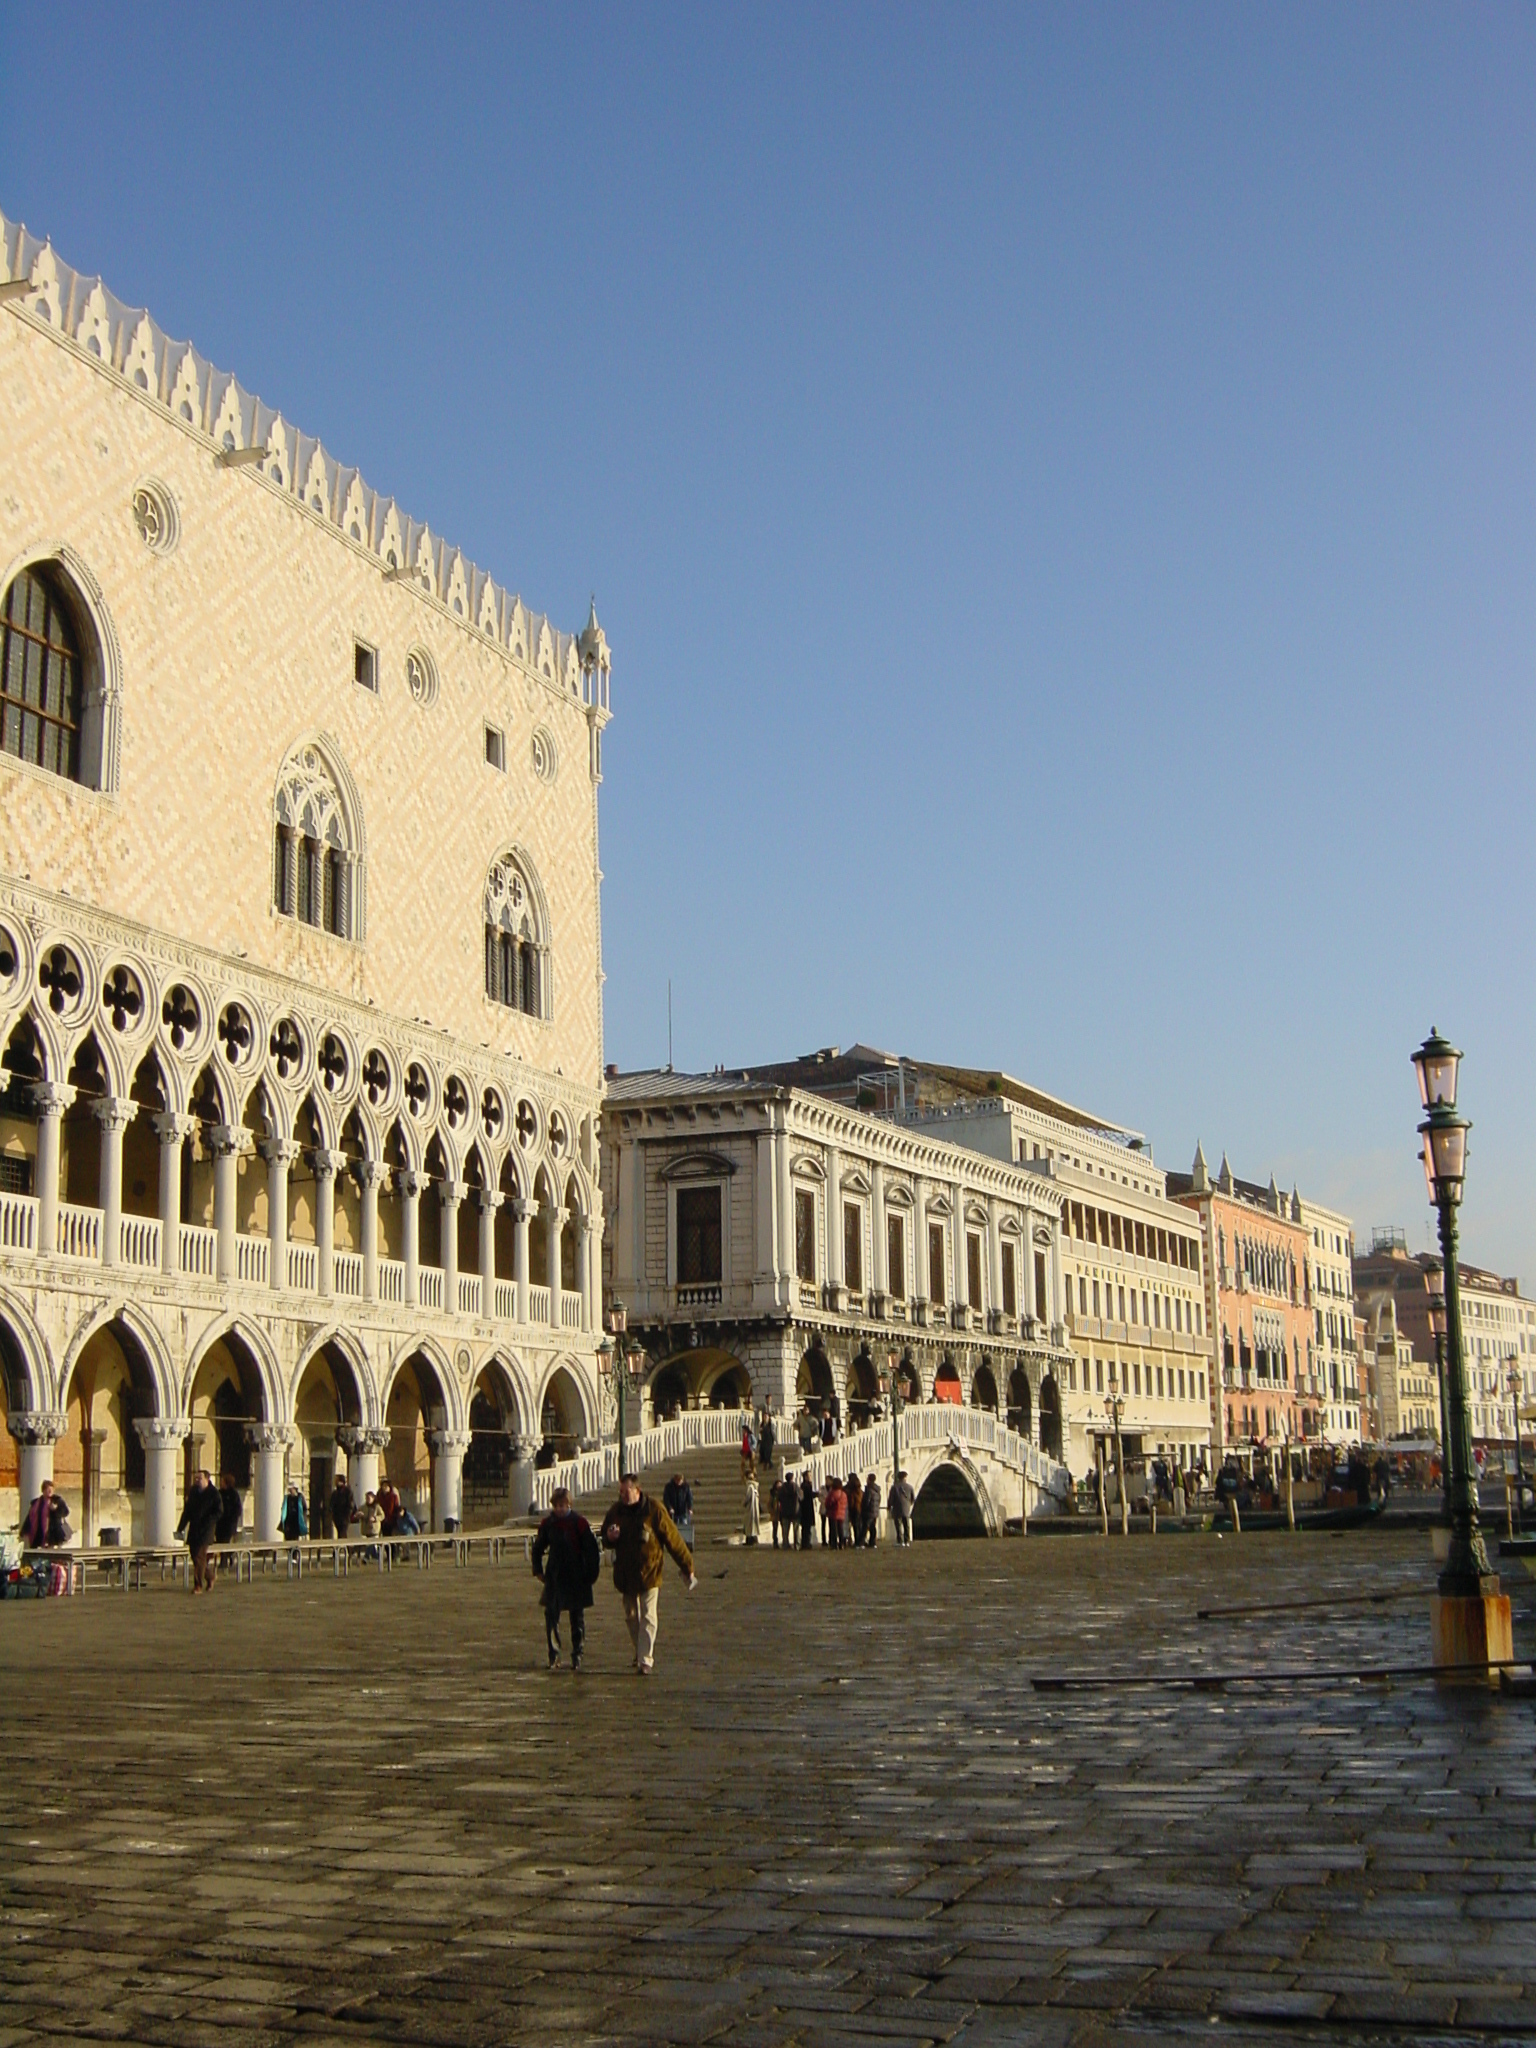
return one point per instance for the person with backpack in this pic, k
(566, 1562)
(199, 1521)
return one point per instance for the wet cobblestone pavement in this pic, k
(363, 1812)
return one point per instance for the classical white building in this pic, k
(1332, 1363)
(300, 962)
(774, 1248)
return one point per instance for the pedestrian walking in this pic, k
(641, 1534)
(231, 1510)
(751, 1512)
(748, 1451)
(789, 1508)
(775, 1509)
(869, 1512)
(45, 1525)
(899, 1504)
(199, 1520)
(566, 1561)
(855, 1494)
(767, 1437)
(807, 1511)
(343, 1509)
(293, 1524)
(677, 1499)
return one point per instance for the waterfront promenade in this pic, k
(360, 1811)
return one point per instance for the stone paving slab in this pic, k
(361, 1812)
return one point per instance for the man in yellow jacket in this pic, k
(639, 1532)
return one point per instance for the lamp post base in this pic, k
(1472, 1636)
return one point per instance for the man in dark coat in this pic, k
(807, 1512)
(343, 1509)
(227, 1528)
(567, 1561)
(641, 1535)
(199, 1520)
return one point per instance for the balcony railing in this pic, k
(18, 1223)
(138, 1242)
(140, 1246)
(79, 1232)
(199, 1251)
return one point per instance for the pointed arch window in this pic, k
(516, 939)
(316, 869)
(42, 671)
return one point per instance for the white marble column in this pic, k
(448, 1447)
(409, 1181)
(270, 1442)
(368, 1173)
(52, 1098)
(363, 1448)
(36, 1431)
(279, 1153)
(584, 1242)
(224, 1141)
(162, 1441)
(834, 1209)
(327, 1164)
(558, 1218)
(520, 1480)
(172, 1131)
(523, 1213)
(114, 1113)
(879, 1262)
(450, 1195)
(491, 1200)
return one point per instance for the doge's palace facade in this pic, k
(300, 957)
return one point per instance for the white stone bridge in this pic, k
(971, 1473)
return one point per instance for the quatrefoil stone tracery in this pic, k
(181, 1017)
(121, 998)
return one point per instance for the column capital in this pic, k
(36, 1425)
(52, 1096)
(491, 1198)
(367, 1172)
(451, 1192)
(161, 1432)
(227, 1141)
(452, 1442)
(171, 1126)
(114, 1112)
(410, 1180)
(327, 1163)
(355, 1439)
(279, 1151)
(560, 1218)
(524, 1208)
(270, 1436)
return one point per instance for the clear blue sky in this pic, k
(1058, 485)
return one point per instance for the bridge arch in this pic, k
(952, 1501)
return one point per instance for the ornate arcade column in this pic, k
(36, 1431)
(279, 1153)
(491, 1200)
(224, 1141)
(172, 1130)
(114, 1113)
(523, 1213)
(450, 1195)
(270, 1442)
(52, 1098)
(363, 1448)
(558, 1218)
(368, 1173)
(448, 1447)
(409, 1182)
(520, 1482)
(326, 1164)
(162, 1441)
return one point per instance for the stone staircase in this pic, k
(718, 1492)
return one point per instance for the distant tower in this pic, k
(595, 662)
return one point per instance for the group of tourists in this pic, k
(641, 1535)
(848, 1510)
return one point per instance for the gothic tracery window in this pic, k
(516, 946)
(41, 675)
(315, 868)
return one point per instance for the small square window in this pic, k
(496, 747)
(365, 666)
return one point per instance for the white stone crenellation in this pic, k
(210, 404)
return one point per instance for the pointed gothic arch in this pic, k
(318, 865)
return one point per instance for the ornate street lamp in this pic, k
(1434, 1279)
(617, 1359)
(1471, 1617)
